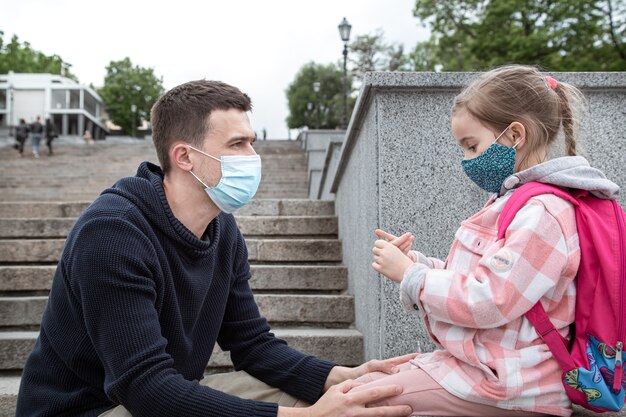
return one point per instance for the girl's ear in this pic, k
(179, 155)
(518, 134)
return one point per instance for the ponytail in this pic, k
(568, 94)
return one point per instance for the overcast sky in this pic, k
(258, 46)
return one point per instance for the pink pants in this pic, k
(428, 398)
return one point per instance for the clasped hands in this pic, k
(392, 254)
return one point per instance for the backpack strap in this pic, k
(537, 314)
(519, 198)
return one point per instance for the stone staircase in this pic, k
(297, 275)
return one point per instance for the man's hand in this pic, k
(390, 261)
(404, 242)
(339, 402)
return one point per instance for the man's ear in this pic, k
(179, 155)
(518, 134)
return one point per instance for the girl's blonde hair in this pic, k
(522, 93)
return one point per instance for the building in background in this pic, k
(73, 107)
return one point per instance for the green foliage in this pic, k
(127, 85)
(21, 58)
(565, 35)
(324, 110)
(370, 53)
(320, 110)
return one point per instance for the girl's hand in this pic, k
(390, 261)
(404, 242)
(338, 374)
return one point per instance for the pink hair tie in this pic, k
(552, 83)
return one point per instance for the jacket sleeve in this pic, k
(429, 261)
(253, 348)
(511, 276)
(114, 282)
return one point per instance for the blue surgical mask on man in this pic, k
(241, 175)
(489, 169)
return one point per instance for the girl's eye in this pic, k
(471, 148)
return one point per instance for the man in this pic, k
(155, 272)
(21, 134)
(36, 131)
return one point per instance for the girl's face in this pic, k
(472, 136)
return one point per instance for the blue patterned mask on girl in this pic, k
(241, 175)
(489, 169)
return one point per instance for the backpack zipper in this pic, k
(619, 367)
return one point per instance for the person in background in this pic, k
(21, 134)
(51, 134)
(87, 137)
(36, 132)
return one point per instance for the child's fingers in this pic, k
(407, 244)
(380, 243)
(384, 235)
(401, 239)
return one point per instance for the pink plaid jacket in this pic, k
(474, 305)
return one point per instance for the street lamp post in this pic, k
(344, 32)
(316, 89)
(133, 109)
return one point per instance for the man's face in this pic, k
(230, 133)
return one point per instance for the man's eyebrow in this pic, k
(234, 139)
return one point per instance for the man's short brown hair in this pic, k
(183, 113)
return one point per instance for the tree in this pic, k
(566, 35)
(370, 53)
(20, 57)
(129, 92)
(322, 109)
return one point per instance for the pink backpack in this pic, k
(593, 373)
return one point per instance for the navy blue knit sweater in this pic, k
(136, 306)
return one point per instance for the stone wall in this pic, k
(322, 149)
(399, 170)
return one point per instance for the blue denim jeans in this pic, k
(36, 138)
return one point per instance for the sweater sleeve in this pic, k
(114, 277)
(253, 348)
(512, 275)
(432, 263)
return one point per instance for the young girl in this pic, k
(492, 362)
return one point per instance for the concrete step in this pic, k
(337, 310)
(343, 346)
(249, 226)
(78, 172)
(286, 175)
(20, 278)
(9, 388)
(257, 207)
(259, 250)
(274, 146)
(60, 194)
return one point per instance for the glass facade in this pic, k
(90, 103)
(59, 99)
(3, 99)
(74, 99)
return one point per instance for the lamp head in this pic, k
(344, 30)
